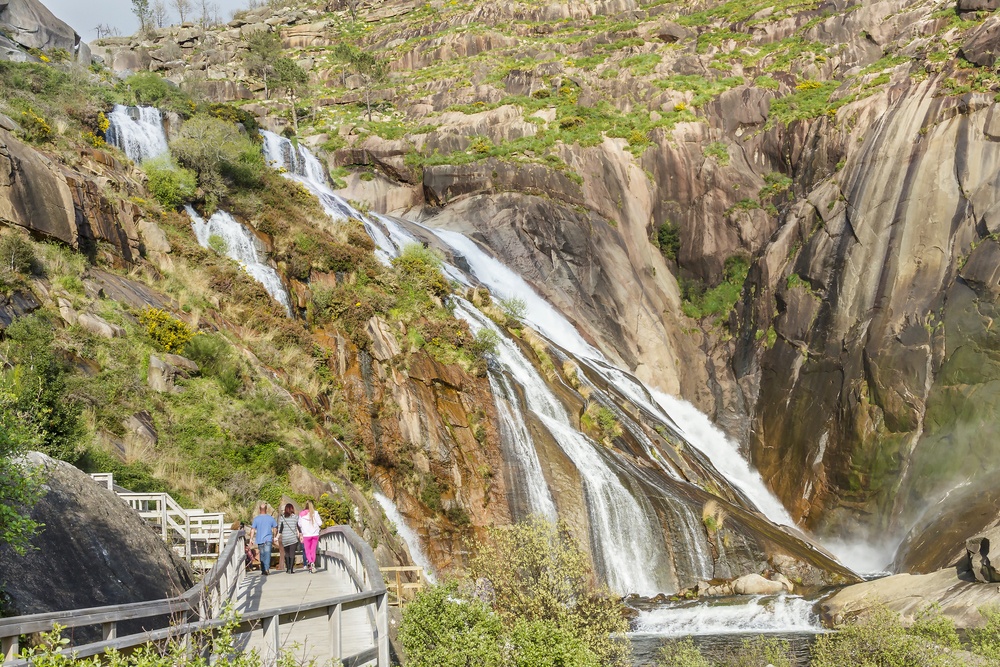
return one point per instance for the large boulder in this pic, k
(164, 372)
(978, 550)
(983, 43)
(755, 584)
(93, 550)
(30, 24)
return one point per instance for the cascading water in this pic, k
(409, 537)
(627, 538)
(138, 131)
(753, 616)
(241, 245)
(625, 532)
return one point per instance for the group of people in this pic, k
(286, 533)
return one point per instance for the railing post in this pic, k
(8, 648)
(109, 630)
(334, 616)
(163, 516)
(382, 625)
(272, 639)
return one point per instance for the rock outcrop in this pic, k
(30, 25)
(92, 550)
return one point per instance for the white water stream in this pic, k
(750, 616)
(138, 131)
(411, 539)
(241, 245)
(624, 529)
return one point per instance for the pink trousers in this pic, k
(309, 545)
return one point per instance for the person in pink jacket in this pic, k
(310, 524)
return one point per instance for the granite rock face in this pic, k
(30, 25)
(92, 551)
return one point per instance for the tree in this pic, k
(142, 12)
(263, 49)
(291, 78)
(372, 69)
(159, 13)
(19, 486)
(218, 153)
(182, 7)
(209, 10)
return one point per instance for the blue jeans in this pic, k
(265, 556)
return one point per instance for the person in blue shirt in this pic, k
(263, 530)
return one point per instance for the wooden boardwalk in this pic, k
(307, 641)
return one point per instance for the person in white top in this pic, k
(310, 524)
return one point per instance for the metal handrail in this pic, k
(206, 599)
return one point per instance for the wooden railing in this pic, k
(197, 535)
(340, 547)
(400, 590)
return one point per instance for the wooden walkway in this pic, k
(308, 640)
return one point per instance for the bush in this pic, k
(668, 237)
(934, 626)
(876, 638)
(545, 644)
(441, 630)
(986, 640)
(220, 155)
(35, 128)
(760, 652)
(171, 185)
(682, 653)
(167, 332)
(537, 572)
(16, 254)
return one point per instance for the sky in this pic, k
(85, 15)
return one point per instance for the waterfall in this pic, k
(627, 538)
(628, 542)
(756, 615)
(138, 131)
(725, 455)
(242, 246)
(409, 537)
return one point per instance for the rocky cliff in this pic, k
(845, 149)
(782, 212)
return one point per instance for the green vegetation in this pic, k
(720, 299)
(172, 185)
(220, 155)
(810, 100)
(602, 422)
(668, 238)
(705, 90)
(719, 151)
(542, 609)
(166, 331)
(19, 434)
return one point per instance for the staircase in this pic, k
(195, 535)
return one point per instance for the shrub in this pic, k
(219, 154)
(668, 238)
(167, 332)
(171, 185)
(934, 626)
(760, 652)
(544, 644)
(35, 128)
(875, 638)
(719, 151)
(985, 640)
(441, 630)
(537, 572)
(682, 653)
(16, 254)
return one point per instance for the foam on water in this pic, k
(754, 615)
